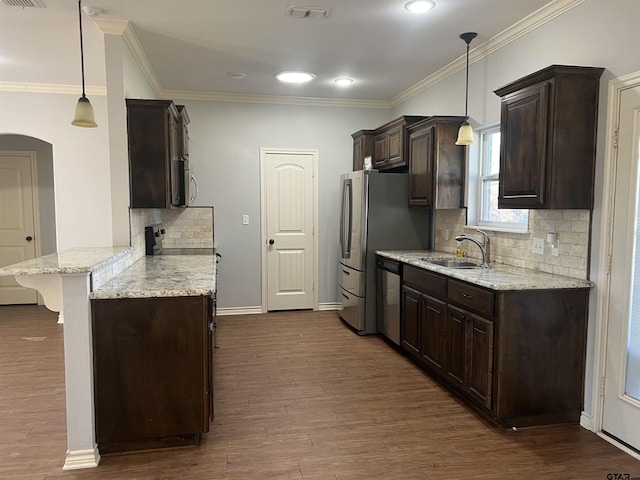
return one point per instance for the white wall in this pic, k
(80, 161)
(595, 33)
(224, 152)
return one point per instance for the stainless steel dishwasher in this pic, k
(388, 298)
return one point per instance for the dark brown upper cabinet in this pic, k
(436, 163)
(363, 141)
(155, 150)
(391, 144)
(548, 139)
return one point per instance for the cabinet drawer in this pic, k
(427, 282)
(352, 280)
(470, 297)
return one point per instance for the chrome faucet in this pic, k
(485, 246)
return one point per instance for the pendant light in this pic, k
(84, 110)
(465, 134)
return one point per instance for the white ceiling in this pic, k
(192, 44)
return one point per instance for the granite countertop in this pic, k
(72, 261)
(498, 277)
(163, 276)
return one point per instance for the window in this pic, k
(488, 213)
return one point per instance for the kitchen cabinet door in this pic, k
(421, 164)
(155, 149)
(480, 358)
(410, 326)
(433, 331)
(548, 139)
(456, 346)
(436, 163)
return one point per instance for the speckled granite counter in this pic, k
(72, 261)
(163, 276)
(499, 277)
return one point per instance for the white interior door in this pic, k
(288, 228)
(17, 222)
(621, 410)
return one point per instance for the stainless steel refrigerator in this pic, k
(375, 216)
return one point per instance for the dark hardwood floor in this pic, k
(298, 396)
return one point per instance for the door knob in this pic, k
(271, 241)
(29, 238)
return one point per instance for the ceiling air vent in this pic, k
(24, 3)
(307, 12)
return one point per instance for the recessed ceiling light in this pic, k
(420, 6)
(343, 82)
(236, 75)
(295, 77)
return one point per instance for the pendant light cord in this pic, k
(81, 46)
(466, 97)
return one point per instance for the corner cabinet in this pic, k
(156, 144)
(518, 356)
(153, 371)
(548, 139)
(436, 163)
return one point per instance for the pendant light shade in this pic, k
(465, 134)
(84, 111)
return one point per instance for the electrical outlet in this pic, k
(245, 219)
(445, 234)
(555, 249)
(538, 246)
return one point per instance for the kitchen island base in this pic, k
(153, 364)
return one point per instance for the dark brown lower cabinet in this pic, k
(517, 355)
(153, 371)
(470, 353)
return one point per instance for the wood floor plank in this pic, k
(298, 396)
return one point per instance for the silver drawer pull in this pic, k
(467, 295)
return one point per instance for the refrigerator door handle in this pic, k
(346, 223)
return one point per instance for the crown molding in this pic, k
(507, 36)
(126, 31)
(22, 87)
(111, 27)
(274, 99)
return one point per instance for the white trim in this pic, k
(322, 307)
(123, 27)
(606, 241)
(586, 421)
(238, 311)
(621, 446)
(22, 87)
(329, 306)
(507, 36)
(77, 459)
(275, 99)
(263, 217)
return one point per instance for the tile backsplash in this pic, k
(571, 226)
(185, 227)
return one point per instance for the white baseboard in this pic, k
(258, 310)
(586, 421)
(239, 311)
(329, 306)
(77, 459)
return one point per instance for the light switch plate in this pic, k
(538, 246)
(245, 219)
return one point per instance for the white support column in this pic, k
(82, 450)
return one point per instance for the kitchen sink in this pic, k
(452, 262)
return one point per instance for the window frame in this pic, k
(484, 177)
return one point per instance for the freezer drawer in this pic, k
(351, 280)
(352, 309)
